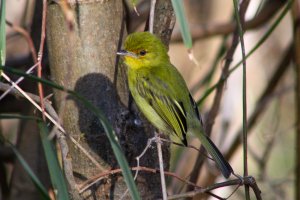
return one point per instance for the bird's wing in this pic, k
(159, 96)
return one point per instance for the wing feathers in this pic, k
(170, 110)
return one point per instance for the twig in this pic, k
(18, 81)
(84, 186)
(240, 21)
(40, 57)
(149, 143)
(245, 180)
(249, 180)
(151, 16)
(26, 35)
(161, 167)
(209, 30)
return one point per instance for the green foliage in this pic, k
(183, 24)
(56, 175)
(2, 33)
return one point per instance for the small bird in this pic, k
(161, 93)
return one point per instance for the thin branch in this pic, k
(26, 35)
(249, 180)
(161, 167)
(151, 16)
(209, 30)
(40, 57)
(240, 21)
(18, 81)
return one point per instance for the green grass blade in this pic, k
(133, 2)
(56, 175)
(183, 24)
(42, 190)
(244, 101)
(104, 122)
(2, 33)
(13, 116)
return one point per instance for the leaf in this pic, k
(2, 33)
(14, 116)
(183, 24)
(56, 175)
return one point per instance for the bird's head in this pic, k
(143, 49)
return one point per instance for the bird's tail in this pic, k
(224, 166)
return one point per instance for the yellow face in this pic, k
(142, 49)
(137, 59)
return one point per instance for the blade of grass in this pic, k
(106, 126)
(13, 116)
(183, 24)
(2, 33)
(244, 134)
(56, 175)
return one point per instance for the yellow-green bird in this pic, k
(161, 93)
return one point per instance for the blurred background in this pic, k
(270, 104)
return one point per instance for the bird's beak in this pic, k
(126, 53)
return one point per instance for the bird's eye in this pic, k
(143, 52)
